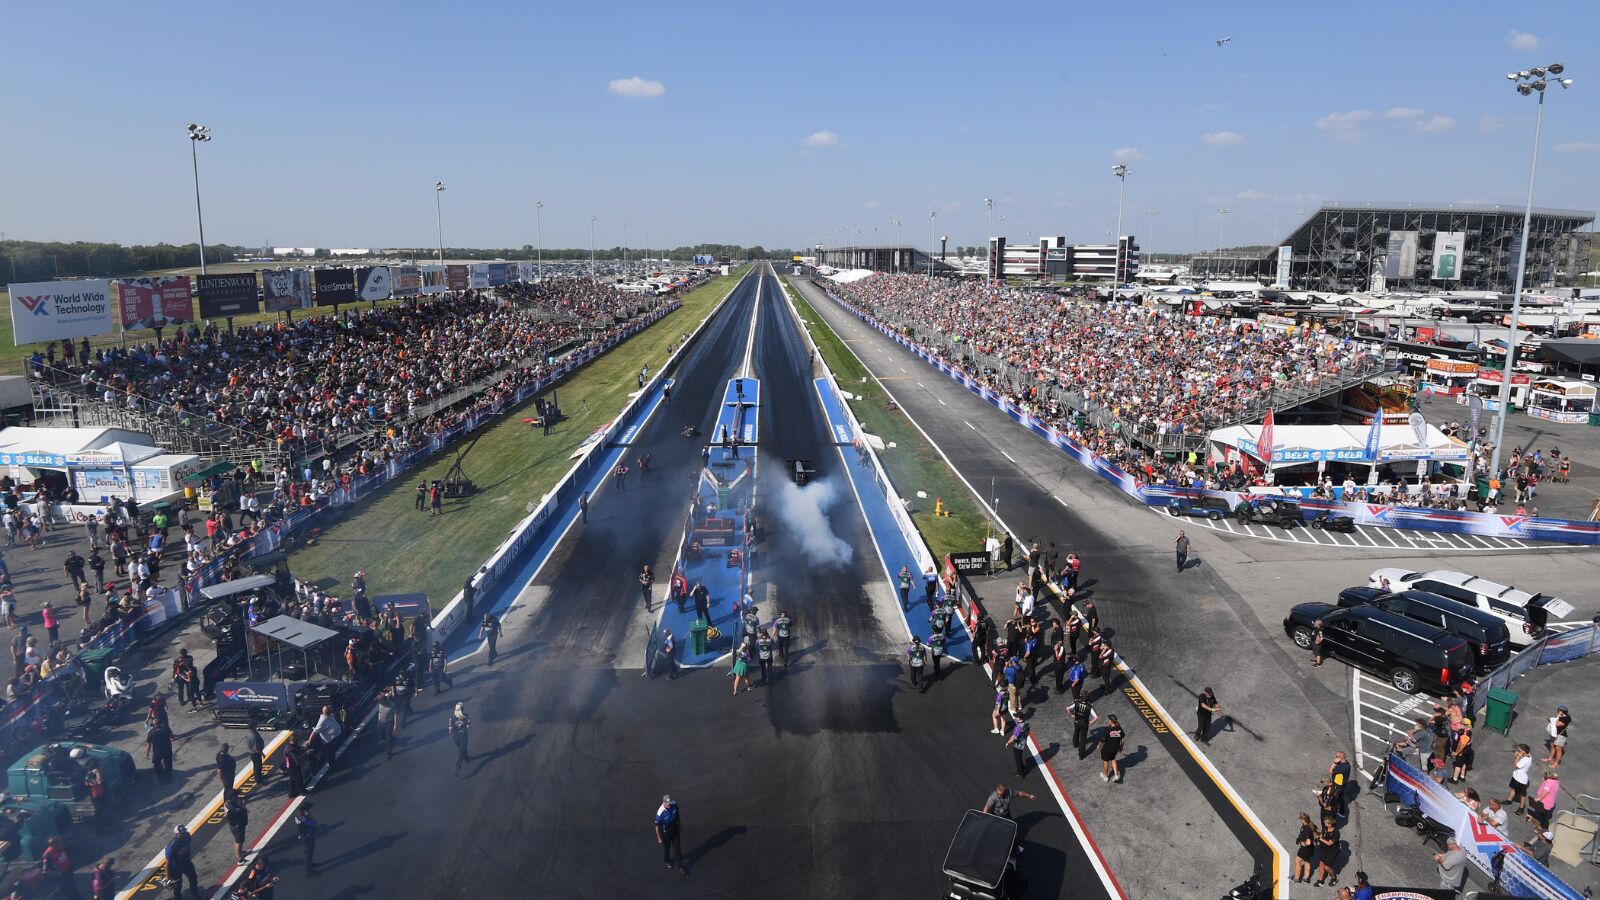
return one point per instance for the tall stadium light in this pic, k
(897, 240)
(438, 214)
(1222, 215)
(1152, 213)
(1121, 171)
(1533, 81)
(592, 277)
(198, 134)
(538, 235)
(988, 249)
(932, 216)
(647, 249)
(624, 248)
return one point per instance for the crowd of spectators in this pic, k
(1150, 371)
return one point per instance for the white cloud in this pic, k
(870, 204)
(1521, 40)
(1344, 126)
(822, 139)
(1127, 154)
(1059, 204)
(1491, 123)
(1267, 197)
(1008, 199)
(1578, 147)
(954, 206)
(636, 87)
(1222, 138)
(965, 129)
(1437, 124)
(1404, 112)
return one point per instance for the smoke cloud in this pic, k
(803, 512)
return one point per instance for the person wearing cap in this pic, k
(1557, 739)
(1452, 865)
(489, 633)
(918, 654)
(1206, 706)
(1540, 845)
(460, 727)
(179, 854)
(1018, 744)
(1364, 889)
(669, 833)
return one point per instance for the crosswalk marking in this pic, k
(1370, 537)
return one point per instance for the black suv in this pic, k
(1413, 656)
(1484, 632)
(1278, 511)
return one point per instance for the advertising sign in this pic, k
(373, 283)
(1402, 255)
(701, 260)
(457, 278)
(434, 280)
(975, 563)
(334, 286)
(1448, 247)
(263, 695)
(1285, 260)
(524, 271)
(154, 302)
(285, 289)
(52, 310)
(405, 281)
(225, 296)
(500, 273)
(478, 276)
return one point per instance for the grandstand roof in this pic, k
(1577, 216)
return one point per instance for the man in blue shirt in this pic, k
(668, 826)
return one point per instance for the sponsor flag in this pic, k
(1375, 434)
(1264, 441)
(52, 310)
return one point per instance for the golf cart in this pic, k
(981, 862)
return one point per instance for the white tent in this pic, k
(1294, 445)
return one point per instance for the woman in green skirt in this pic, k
(741, 666)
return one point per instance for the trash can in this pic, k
(1497, 713)
(94, 664)
(697, 639)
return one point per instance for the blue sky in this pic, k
(777, 124)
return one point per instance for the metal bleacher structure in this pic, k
(1072, 402)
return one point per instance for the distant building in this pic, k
(350, 251)
(1053, 259)
(294, 251)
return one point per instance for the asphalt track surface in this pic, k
(836, 781)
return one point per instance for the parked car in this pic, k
(1527, 615)
(36, 820)
(1413, 656)
(1280, 511)
(1329, 520)
(1213, 508)
(1484, 632)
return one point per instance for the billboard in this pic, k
(524, 271)
(52, 310)
(704, 260)
(154, 302)
(457, 278)
(285, 289)
(1447, 252)
(478, 276)
(405, 281)
(434, 280)
(1285, 261)
(1401, 259)
(334, 286)
(226, 296)
(501, 273)
(373, 283)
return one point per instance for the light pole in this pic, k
(1529, 81)
(592, 278)
(624, 248)
(1152, 213)
(932, 215)
(1121, 171)
(198, 134)
(897, 239)
(538, 235)
(988, 244)
(1222, 215)
(647, 249)
(438, 212)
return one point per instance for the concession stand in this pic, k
(1562, 400)
(1487, 386)
(1301, 454)
(99, 463)
(1448, 377)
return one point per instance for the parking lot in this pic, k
(1368, 537)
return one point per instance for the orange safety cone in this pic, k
(938, 506)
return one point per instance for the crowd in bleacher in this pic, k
(1154, 370)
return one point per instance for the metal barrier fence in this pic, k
(1556, 647)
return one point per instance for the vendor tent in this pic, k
(1294, 445)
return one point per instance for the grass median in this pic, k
(403, 550)
(912, 462)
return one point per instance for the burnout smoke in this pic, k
(804, 514)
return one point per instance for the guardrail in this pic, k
(1555, 647)
(1543, 528)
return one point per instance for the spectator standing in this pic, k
(1521, 766)
(56, 864)
(1544, 801)
(460, 728)
(179, 855)
(1206, 706)
(1181, 543)
(1328, 852)
(1110, 747)
(1452, 864)
(158, 748)
(238, 817)
(669, 825)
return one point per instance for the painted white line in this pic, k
(1060, 501)
(750, 342)
(1384, 533)
(968, 424)
(1008, 456)
(940, 399)
(1355, 722)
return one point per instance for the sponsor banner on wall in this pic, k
(479, 276)
(154, 302)
(1401, 261)
(1448, 247)
(52, 310)
(225, 296)
(285, 289)
(457, 278)
(1285, 263)
(524, 271)
(334, 286)
(435, 280)
(500, 273)
(405, 281)
(373, 283)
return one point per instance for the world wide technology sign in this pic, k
(52, 310)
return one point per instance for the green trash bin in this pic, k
(94, 666)
(1497, 713)
(697, 637)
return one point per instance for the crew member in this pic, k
(918, 654)
(1083, 716)
(782, 625)
(1206, 706)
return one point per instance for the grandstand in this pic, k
(1346, 247)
